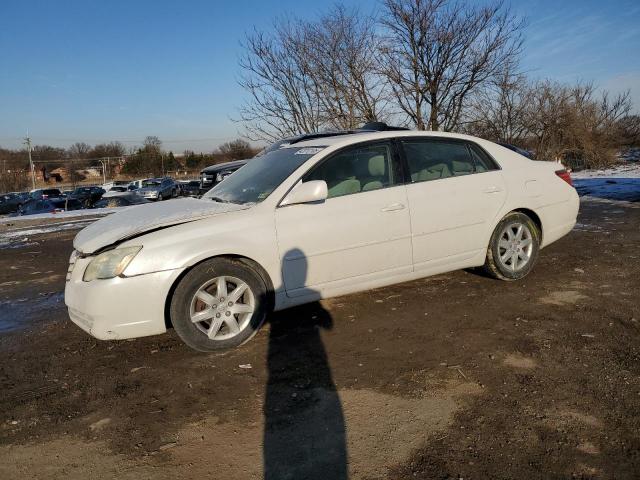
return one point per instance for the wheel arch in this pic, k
(533, 216)
(241, 258)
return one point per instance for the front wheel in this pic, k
(513, 248)
(219, 304)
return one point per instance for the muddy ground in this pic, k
(453, 376)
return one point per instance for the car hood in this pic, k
(143, 218)
(148, 189)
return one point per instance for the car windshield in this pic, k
(151, 183)
(255, 181)
(194, 183)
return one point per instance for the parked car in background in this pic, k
(190, 188)
(46, 193)
(87, 196)
(48, 205)
(119, 190)
(122, 200)
(304, 222)
(115, 183)
(158, 188)
(521, 151)
(213, 175)
(11, 202)
(138, 183)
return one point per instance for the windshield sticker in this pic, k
(309, 150)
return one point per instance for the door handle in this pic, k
(492, 190)
(393, 207)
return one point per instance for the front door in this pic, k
(359, 233)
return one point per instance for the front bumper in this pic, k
(121, 307)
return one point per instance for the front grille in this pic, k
(207, 179)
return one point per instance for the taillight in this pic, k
(565, 175)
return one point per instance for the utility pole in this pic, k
(27, 142)
(104, 170)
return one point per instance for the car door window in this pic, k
(437, 159)
(355, 170)
(482, 161)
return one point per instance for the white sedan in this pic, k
(318, 217)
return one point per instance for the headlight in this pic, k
(110, 264)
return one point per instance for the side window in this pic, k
(433, 160)
(482, 161)
(355, 170)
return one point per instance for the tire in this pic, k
(235, 320)
(505, 248)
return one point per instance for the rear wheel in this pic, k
(220, 304)
(513, 248)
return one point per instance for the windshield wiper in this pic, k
(222, 200)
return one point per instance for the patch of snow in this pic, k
(89, 212)
(620, 183)
(20, 237)
(619, 171)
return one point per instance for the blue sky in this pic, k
(105, 70)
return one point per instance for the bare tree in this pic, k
(629, 130)
(152, 144)
(342, 53)
(438, 52)
(500, 111)
(574, 124)
(236, 150)
(307, 76)
(282, 97)
(111, 149)
(79, 150)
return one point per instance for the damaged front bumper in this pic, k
(120, 307)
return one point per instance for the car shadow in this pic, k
(304, 432)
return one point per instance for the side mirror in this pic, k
(306, 192)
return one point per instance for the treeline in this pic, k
(148, 160)
(426, 64)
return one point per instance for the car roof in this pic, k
(369, 136)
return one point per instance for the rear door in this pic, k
(454, 194)
(358, 234)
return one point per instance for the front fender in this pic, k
(182, 246)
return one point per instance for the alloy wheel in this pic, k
(222, 307)
(515, 246)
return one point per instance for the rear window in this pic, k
(430, 159)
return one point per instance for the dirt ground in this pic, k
(454, 376)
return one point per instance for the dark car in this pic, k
(87, 196)
(513, 148)
(190, 188)
(213, 175)
(47, 193)
(120, 201)
(11, 202)
(158, 188)
(123, 188)
(47, 205)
